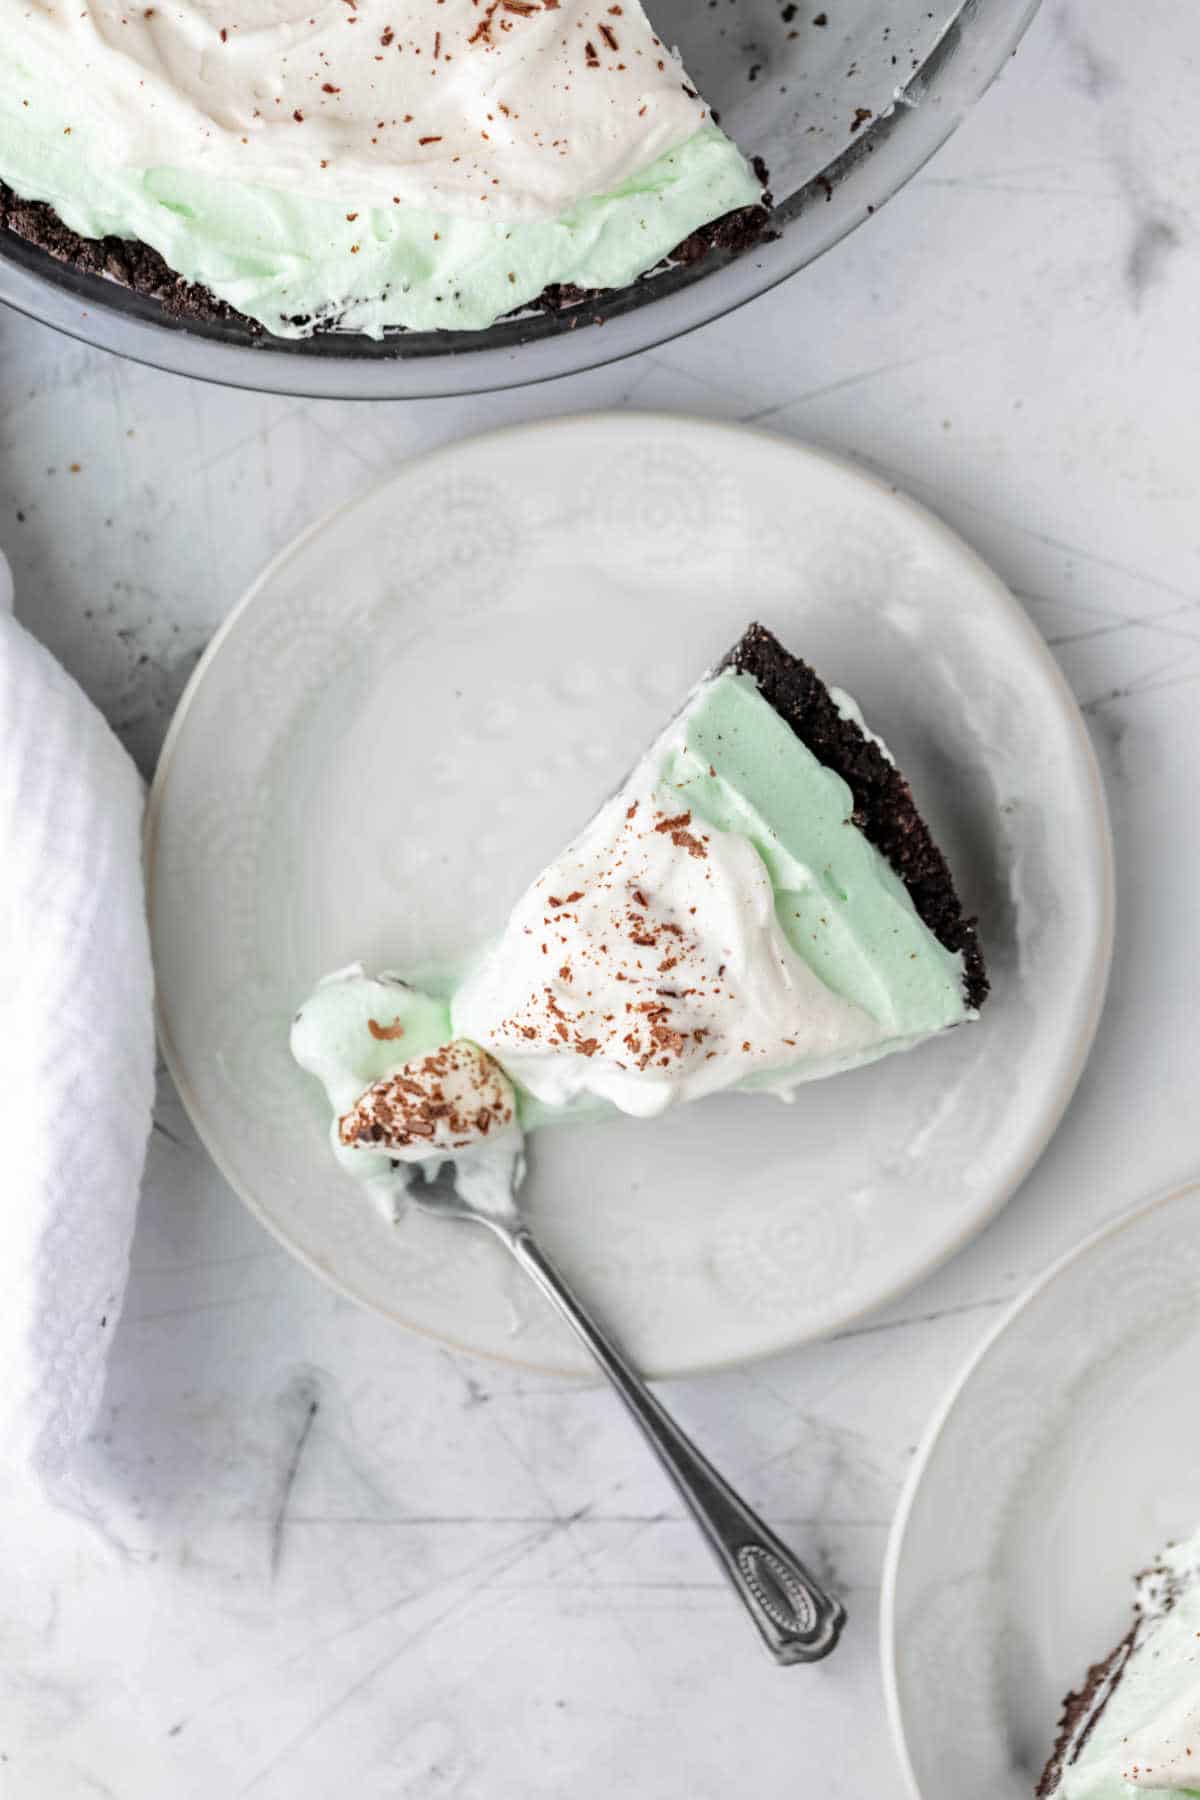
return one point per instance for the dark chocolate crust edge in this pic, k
(1081, 1711)
(884, 808)
(132, 265)
(136, 266)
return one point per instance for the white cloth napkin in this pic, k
(76, 1047)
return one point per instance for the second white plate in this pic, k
(1063, 1461)
(425, 697)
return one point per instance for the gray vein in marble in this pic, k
(299, 1405)
(1156, 225)
(1094, 72)
(1155, 239)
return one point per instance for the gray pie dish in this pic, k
(844, 100)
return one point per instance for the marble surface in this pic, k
(320, 1555)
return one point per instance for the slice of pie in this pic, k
(1133, 1728)
(360, 164)
(759, 905)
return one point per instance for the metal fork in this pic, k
(797, 1621)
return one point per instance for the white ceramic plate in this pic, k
(428, 694)
(1065, 1457)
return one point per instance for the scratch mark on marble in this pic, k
(927, 1318)
(392, 1521)
(1098, 159)
(1057, 639)
(459, 1604)
(834, 1440)
(526, 1545)
(1135, 690)
(164, 1131)
(578, 1550)
(514, 1450)
(1157, 622)
(346, 444)
(302, 1392)
(984, 184)
(199, 1306)
(627, 1584)
(272, 1253)
(1076, 552)
(704, 1596)
(328, 1713)
(638, 374)
(257, 438)
(590, 1517)
(835, 387)
(1113, 616)
(671, 370)
(762, 1384)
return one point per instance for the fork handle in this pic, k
(797, 1620)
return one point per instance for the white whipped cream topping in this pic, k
(495, 109)
(361, 1034)
(434, 1106)
(646, 966)
(1160, 1748)
(454, 1105)
(1165, 1753)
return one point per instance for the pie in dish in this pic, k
(760, 904)
(361, 164)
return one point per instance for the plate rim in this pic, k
(1127, 1219)
(618, 419)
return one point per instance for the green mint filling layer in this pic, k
(291, 261)
(352, 1032)
(839, 903)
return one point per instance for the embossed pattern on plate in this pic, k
(424, 698)
(1066, 1456)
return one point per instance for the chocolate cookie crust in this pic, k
(884, 809)
(1082, 1710)
(123, 260)
(136, 266)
